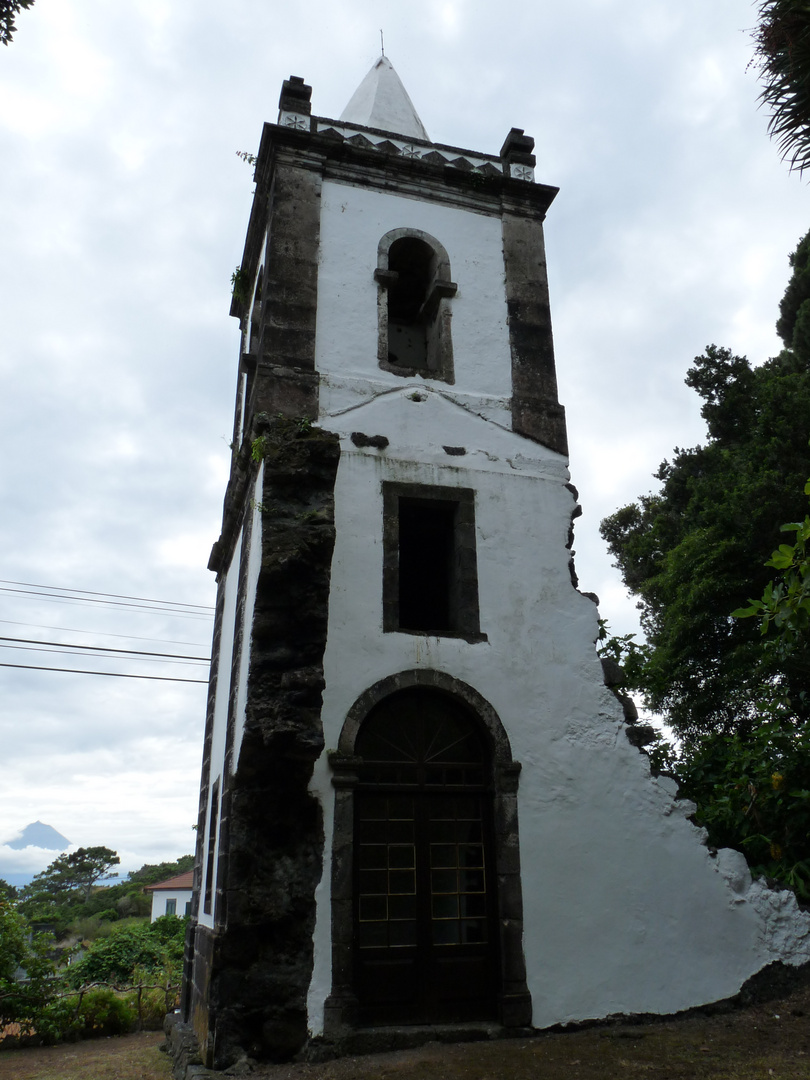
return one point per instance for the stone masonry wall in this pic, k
(263, 954)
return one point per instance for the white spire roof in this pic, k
(381, 101)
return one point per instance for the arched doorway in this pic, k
(476, 764)
(425, 926)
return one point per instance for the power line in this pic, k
(101, 633)
(176, 611)
(103, 648)
(92, 592)
(111, 674)
(100, 656)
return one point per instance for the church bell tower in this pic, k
(396, 369)
(414, 799)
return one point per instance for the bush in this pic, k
(152, 1007)
(59, 1021)
(88, 1015)
(132, 946)
(21, 999)
(753, 794)
(103, 1012)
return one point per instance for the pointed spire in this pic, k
(381, 101)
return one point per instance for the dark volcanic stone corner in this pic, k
(263, 964)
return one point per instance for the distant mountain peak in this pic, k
(39, 835)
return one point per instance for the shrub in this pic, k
(59, 1021)
(21, 999)
(130, 946)
(103, 1012)
(150, 1006)
(92, 1014)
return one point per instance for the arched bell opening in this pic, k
(426, 898)
(414, 312)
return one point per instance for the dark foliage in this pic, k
(25, 969)
(9, 9)
(56, 898)
(74, 874)
(150, 873)
(154, 947)
(7, 891)
(782, 49)
(696, 550)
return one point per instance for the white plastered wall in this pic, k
(353, 221)
(625, 910)
(227, 638)
(181, 897)
(220, 726)
(254, 565)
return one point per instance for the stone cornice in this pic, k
(348, 153)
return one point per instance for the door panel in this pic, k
(424, 949)
(424, 904)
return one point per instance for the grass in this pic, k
(768, 1041)
(128, 1057)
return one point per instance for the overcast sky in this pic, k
(124, 209)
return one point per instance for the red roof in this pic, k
(182, 881)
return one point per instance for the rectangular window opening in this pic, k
(430, 571)
(171, 907)
(427, 565)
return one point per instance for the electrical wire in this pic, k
(102, 633)
(111, 674)
(92, 592)
(100, 656)
(52, 598)
(101, 648)
(60, 594)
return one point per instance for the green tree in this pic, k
(25, 969)
(150, 873)
(752, 788)
(73, 875)
(9, 9)
(696, 550)
(694, 553)
(782, 55)
(7, 891)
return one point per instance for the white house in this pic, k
(173, 896)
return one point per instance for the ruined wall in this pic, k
(625, 908)
(262, 963)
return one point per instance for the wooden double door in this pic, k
(424, 905)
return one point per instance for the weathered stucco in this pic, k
(352, 224)
(624, 908)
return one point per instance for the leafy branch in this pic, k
(785, 603)
(240, 286)
(782, 55)
(8, 10)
